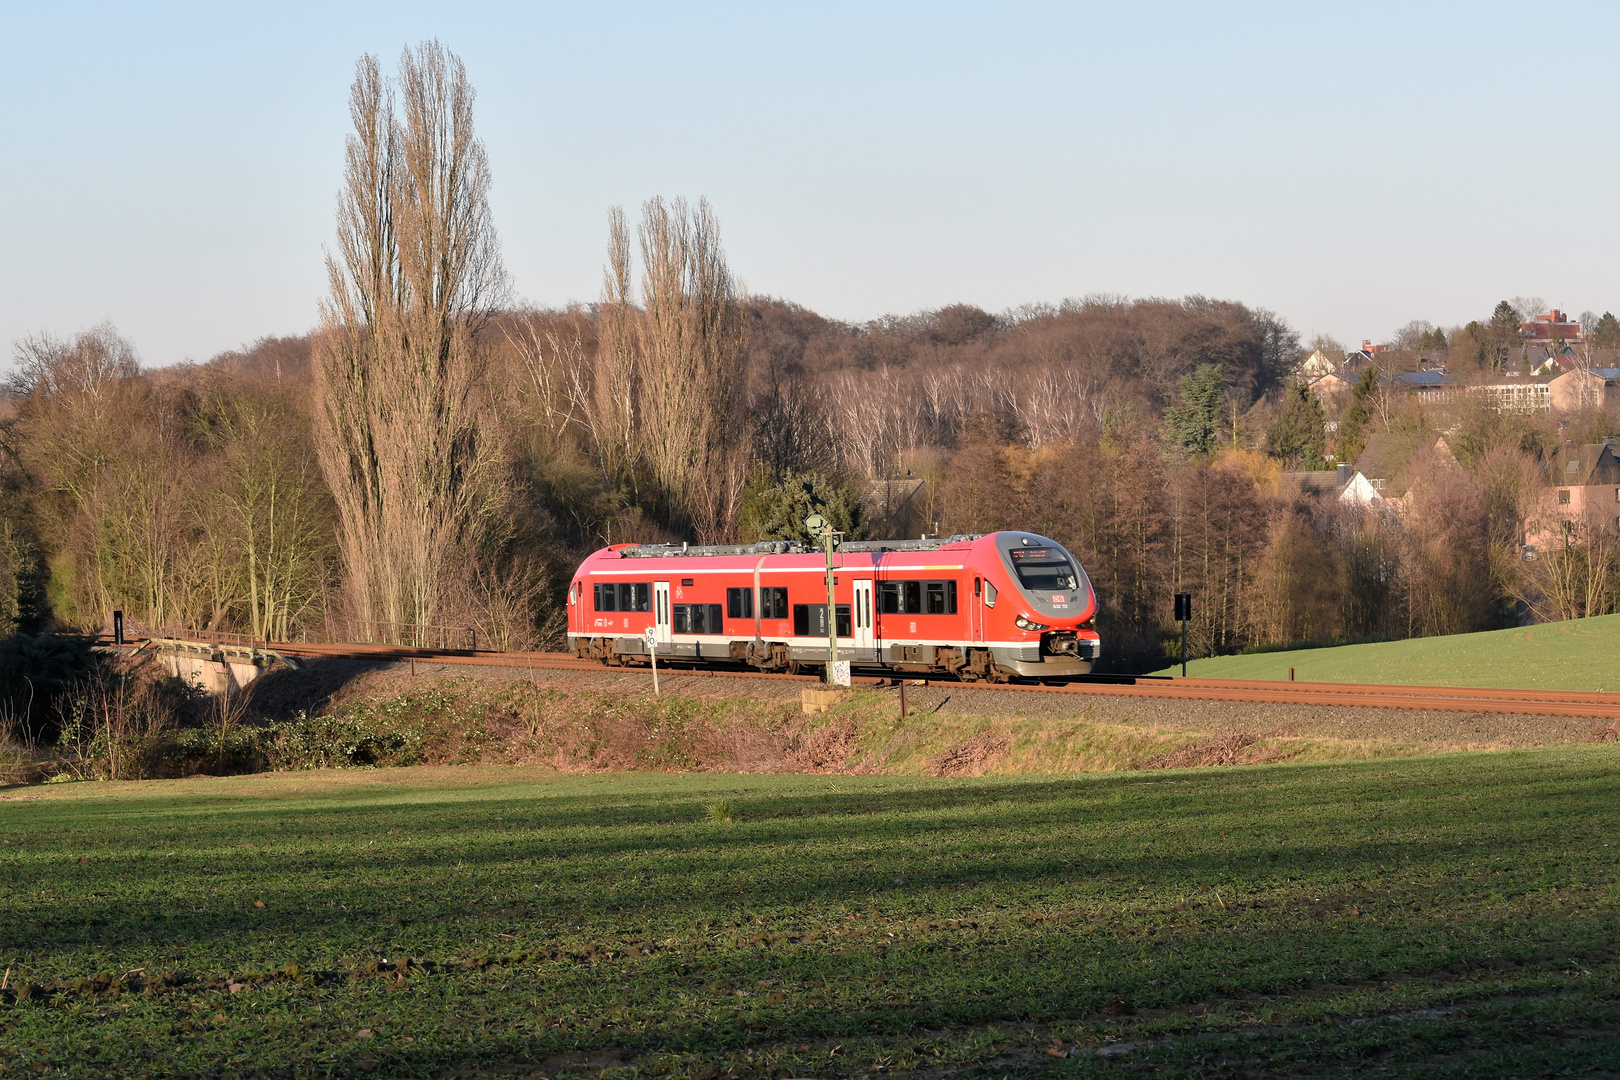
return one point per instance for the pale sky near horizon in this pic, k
(174, 168)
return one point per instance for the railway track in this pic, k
(1356, 695)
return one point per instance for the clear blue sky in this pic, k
(174, 168)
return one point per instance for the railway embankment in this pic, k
(608, 720)
(341, 712)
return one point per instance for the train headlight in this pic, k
(1027, 624)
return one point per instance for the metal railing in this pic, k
(344, 632)
(412, 635)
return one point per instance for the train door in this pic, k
(976, 611)
(861, 618)
(661, 610)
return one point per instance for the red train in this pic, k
(994, 607)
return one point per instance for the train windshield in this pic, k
(1045, 571)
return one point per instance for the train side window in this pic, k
(902, 598)
(739, 603)
(941, 598)
(989, 595)
(773, 602)
(810, 620)
(698, 618)
(635, 596)
(607, 597)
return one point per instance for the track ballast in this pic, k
(1359, 695)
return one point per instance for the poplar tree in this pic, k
(417, 275)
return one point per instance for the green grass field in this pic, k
(1577, 655)
(1438, 916)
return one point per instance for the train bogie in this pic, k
(980, 607)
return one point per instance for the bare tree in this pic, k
(1575, 577)
(1412, 334)
(1529, 307)
(273, 520)
(84, 427)
(611, 401)
(417, 276)
(691, 354)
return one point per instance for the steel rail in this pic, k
(1586, 703)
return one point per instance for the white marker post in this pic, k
(652, 651)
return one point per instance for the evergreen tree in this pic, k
(775, 509)
(1299, 436)
(1434, 338)
(1352, 429)
(1606, 335)
(1505, 319)
(1502, 333)
(1192, 425)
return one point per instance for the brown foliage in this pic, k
(1042, 375)
(1217, 536)
(1446, 569)
(1142, 528)
(1300, 584)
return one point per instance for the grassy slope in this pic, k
(1459, 909)
(1579, 655)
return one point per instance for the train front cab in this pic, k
(1043, 613)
